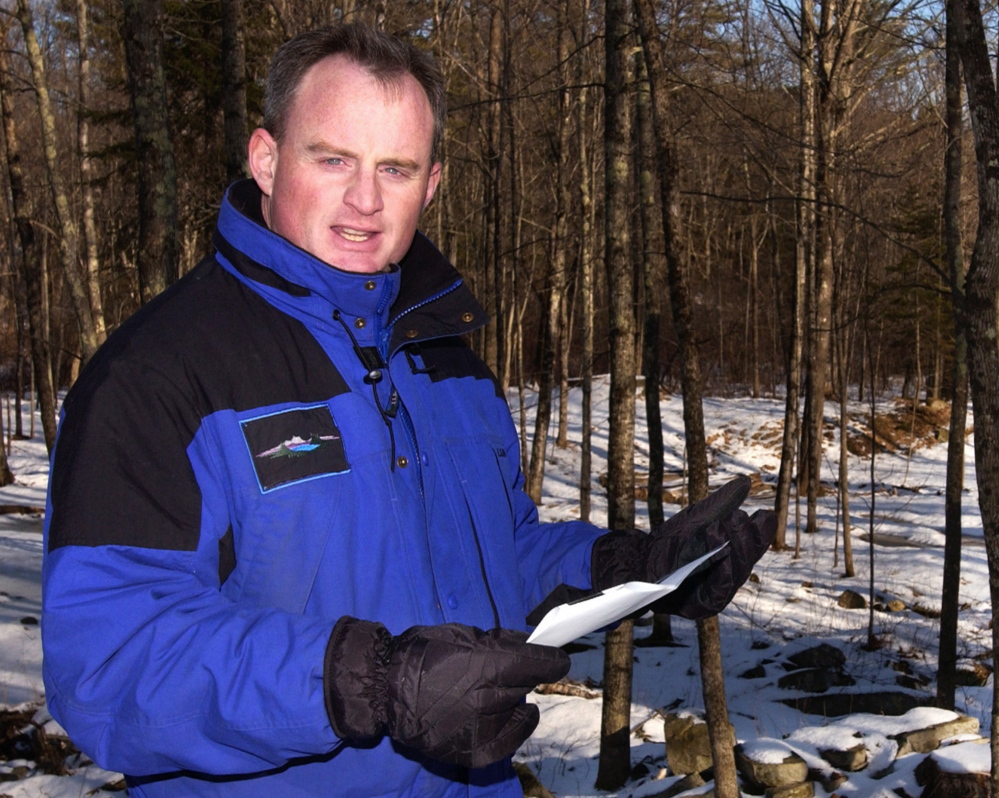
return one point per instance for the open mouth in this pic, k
(356, 236)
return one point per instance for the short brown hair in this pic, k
(385, 57)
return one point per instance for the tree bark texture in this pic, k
(982, 305)
(953, 161)
(543, 411)
(620, 271)
(655, 295)
(494, 168)
(586, 290)
(615, 721)
(555, 282)
(676, 273)
(844, 470)
(803, 249)
(91, 268)
(720, 731)
(32, 259)
(234, 89)
(6, 475)
(158, 248)
(68, 235)
(615, 744)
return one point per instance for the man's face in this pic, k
(352, 174)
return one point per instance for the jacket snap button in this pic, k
(425, 459)
(452, 602)
(370, 285)
(402, 461)
(360, 323)
(467, 317)
(412, 333)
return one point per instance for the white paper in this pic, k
(566, 622)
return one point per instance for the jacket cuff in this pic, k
(354, 682)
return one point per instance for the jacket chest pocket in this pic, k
(278, 544)
(285, 503)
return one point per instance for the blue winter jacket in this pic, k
(267, 446)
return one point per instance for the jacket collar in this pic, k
(424, 287)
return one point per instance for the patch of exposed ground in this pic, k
(904, 428)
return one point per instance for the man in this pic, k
(285, 501)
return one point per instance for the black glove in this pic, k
(454, 693)
(622, 556)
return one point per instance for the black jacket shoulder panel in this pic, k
(453, 358)
(207, 344)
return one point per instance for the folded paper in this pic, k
(566, 622)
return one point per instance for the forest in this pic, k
(706, 197)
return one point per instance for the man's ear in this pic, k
(263, 157)
(435, 178)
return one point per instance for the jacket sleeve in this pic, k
(147, 665)
(549, 554)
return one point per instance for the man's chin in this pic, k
(355, 264)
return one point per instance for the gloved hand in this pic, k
(622, 556)
(454, 693)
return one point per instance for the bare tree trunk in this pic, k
(818, 351)
(68, 235)
(6, 475)
(91, 267)
(562, 350)
(679, 289)
(754, 312)
(555, 278)
(510, 219)
(615, 744)
(953, 158)
(521, 393)
(655, 293)
(493, 166)
(32, 258)
(158, 247)
(982, 306)
(586, 290)
(844, 471)
(543, 412)
(653, 268)
(233, 89)
(19, 307)
(517, 274)
(720, 730)
(872, 643)
(805, 214)
(615, 727)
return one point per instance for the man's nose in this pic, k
(364, 194)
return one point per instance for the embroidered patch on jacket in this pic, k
(294, 445)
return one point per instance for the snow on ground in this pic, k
(791, 607)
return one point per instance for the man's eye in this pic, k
(334, 161)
